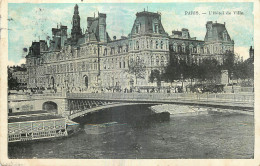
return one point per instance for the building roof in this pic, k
(216, 32)
(146, 21)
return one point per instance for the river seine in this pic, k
(227, 136)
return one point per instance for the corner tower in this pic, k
(148, 23)
(76, 32)
(217, 39)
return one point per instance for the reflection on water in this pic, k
(201, 136)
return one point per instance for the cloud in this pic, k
(242, 52)
(35, 22)
(12, 63)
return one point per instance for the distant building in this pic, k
(92, 60)
(251, 53)
(19, 73)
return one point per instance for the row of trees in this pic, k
(207, 70)
(12, 82)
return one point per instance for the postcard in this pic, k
(129, 83)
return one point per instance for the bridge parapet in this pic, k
(83, 103)
(231, 97)
(17, 97)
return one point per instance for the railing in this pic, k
(30, 130)
(35, 96)
(230, 97)
(242, 100)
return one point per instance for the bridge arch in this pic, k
(79, 113)
(50, 106)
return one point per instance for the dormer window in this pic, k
(225, 36)
(156, 26)
(137, 28)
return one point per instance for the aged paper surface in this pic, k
(196, 27)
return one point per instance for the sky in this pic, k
(29, 22)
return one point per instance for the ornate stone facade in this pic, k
(91, 61)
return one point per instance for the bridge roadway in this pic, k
(241, 100)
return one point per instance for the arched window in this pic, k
(86, 81)
(156, 44)
(157, 60)
(179, 48)
(171, 47)
(137, 58)
(105, 51)
(162, 60)
(137, 45)
(137, 28)
(161, 44)
(151, 60)
(225, 36)
(183, 47)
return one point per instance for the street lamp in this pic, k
(182, 82)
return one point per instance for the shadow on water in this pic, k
(138, 116)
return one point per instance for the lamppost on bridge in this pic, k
(182, 82)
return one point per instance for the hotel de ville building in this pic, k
(92, 60)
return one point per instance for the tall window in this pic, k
(225, 36)
(157, 60)
(137, 28)
(156, 29)
(156, 44)
(161, 44)
(162, 60)
(137, 45)
(105, 51)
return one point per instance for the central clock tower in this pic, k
(76, 32)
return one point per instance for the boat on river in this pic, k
(103, 128)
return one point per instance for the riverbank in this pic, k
(187, 110)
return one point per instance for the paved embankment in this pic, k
(186, 110)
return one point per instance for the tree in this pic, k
(244, 70)
(208, 70)
(155, 74)
(12, 83)
(229, 62)
(137, 68)
(172, 70)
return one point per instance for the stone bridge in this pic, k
(73, 105)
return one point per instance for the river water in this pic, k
(225, 136)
